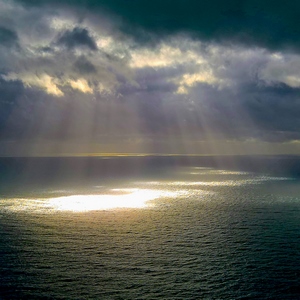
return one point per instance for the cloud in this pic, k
(83, 66)
(8, 37)
(77, 38)
(12, 116)
(81, 85)
(44, 81)
(262, 23)
(283, 68)
(189, 80)
(164, 55)
(77, 75)
(269, 24)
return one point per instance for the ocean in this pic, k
(152, 227)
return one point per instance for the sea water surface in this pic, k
(148, 228)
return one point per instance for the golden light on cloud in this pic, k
(104, 42)
(48, 83)
(81, 85)
(293, 81)
(189, 80)
(43, 81)
(61, 23)
(163, 57)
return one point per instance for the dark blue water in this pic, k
(190, 229)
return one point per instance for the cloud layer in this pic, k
(149, 71)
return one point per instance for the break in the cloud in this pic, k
(153, 72)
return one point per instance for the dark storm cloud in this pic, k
(10, 93)
(27, 113)
(78, 37)
(276, 108)
(84, 66)
(79, 75)
(8, 37)
(251, 111)
(249, 107)
(272, 24)
(46, 49)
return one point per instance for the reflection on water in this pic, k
(115, 199)
(210, 236)
(141, 194)
(127, 199)
(225, 183)
(209, 171)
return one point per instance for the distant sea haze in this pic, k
(150, 228)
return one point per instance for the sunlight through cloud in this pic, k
(81, 85)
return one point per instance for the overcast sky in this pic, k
(149, 76)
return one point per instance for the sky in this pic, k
(140, 76)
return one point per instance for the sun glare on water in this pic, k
(125, 199)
